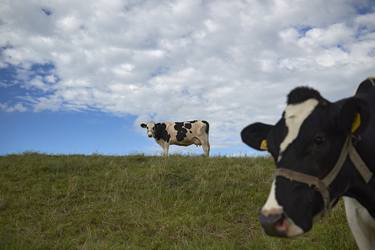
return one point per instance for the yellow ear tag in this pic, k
(263, 145)
(356, 122)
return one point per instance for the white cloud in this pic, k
(229, 62)
(327, 37)
(69, 24)
(366, 21)
(19, 107)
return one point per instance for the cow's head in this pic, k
(150, 128)
(307, 139)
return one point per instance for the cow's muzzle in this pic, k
(272, 224)
(279, 225)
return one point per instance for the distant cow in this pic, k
(179, 133)
(323, 150)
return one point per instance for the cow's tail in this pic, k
(207, 126)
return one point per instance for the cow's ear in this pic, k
(354, 116)
(255, 135)
(143, 125)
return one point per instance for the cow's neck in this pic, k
(360, 190)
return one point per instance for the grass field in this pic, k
(138, 202)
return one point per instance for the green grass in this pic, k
(138, 202)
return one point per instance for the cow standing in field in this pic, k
(323, 151)
(179, 133)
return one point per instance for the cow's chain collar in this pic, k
(322, 185)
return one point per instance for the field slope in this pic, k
(138, 202)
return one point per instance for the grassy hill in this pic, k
(138, 202)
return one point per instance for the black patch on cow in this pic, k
(181, 131)
(301, 94)
(193, 121)
(161, 133)
(207, 126)
(188, 125)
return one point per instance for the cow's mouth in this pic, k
(274, 225)
(279, 225)
(282, 224)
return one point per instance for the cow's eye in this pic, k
(319, 139)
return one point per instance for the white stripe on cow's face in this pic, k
(295, 115)
(272, 206)
(150, 129)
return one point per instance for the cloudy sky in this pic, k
(79, 76)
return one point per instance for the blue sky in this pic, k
(67, 133)
(79, 78)
(80, 133)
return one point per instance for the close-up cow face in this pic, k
(150, 128)
(308, 139)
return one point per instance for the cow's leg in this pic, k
(361, 224)
(165, 146)
(203, 140)
(165, 149)
(206, 146)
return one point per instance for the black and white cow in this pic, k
(323, 150)
(179, 133)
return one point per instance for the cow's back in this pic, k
(188, 132)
